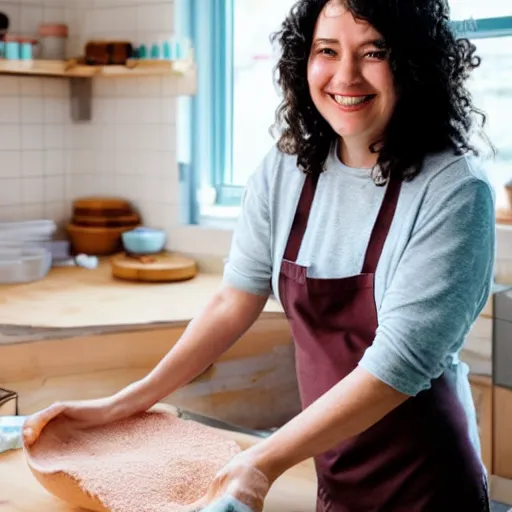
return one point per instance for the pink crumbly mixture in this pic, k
(150, 463)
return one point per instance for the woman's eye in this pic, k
(377, 55)
(327, 51)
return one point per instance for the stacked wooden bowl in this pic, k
(98, 223)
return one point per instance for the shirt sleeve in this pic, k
(440, 287)
(249, 266)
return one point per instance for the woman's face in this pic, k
(349, 76)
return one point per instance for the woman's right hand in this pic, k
(86, 414)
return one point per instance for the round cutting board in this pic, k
(163, 267)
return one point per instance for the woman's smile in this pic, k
(352, 103)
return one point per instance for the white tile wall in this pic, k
(33, 122)
(129, 148)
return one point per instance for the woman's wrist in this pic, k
(272, 463)
(133, 399)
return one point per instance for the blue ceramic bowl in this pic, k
(144, 240)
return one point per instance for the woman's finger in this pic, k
(35, 423)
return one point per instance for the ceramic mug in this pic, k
(26, 51)
(12, 50)
(155, 51)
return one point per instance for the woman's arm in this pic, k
(349, 408)
(225, 319)
(439, 288)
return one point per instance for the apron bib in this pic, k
(418, 458)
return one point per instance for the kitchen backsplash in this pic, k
(33, 123)
(129, 147)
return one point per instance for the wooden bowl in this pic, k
(103, 221)
(96, 241)
(68, 489)
(65, 487)
(102, 206)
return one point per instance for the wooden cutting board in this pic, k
(164, 267)
(295, 491)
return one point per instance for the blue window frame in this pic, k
(206, 120)
(205, 149)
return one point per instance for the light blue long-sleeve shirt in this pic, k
(435, 272)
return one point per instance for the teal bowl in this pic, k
(143, 241)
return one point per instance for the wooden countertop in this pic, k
(75, 297)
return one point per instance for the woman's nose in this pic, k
(348, 71)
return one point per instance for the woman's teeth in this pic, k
(350, 101)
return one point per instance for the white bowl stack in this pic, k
(23, 256)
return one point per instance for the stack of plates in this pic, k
(24, 255)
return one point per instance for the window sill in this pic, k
(219, 217)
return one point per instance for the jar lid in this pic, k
(53, 30)
(12, 38)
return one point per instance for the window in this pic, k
(489, 26)
(255, 97)
(236, 101)
(491, 86)
(231, 115)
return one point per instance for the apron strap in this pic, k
(382, 227)
(300, 221)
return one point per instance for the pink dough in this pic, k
(154, 462)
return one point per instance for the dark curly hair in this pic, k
(434, 110)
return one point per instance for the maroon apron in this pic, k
(419, 457)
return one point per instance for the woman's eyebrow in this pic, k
(378, 42)
(325, 40)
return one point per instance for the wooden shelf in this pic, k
(81, 76)
(52, 68)
(72, 69)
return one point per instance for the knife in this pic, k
(223, 425)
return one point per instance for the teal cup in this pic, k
(26, 51)
(12, 50)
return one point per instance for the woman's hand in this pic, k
(86, 413)
(241, 486)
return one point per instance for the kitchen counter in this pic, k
(73, 302)
(76, 300)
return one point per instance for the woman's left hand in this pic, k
(241, 486)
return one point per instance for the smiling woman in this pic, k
(372, 223)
